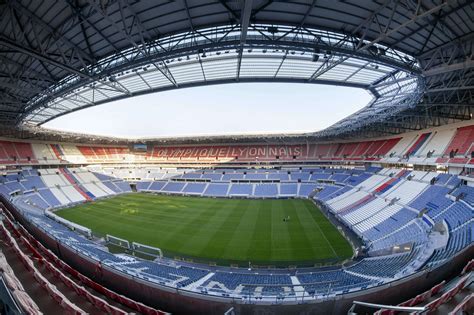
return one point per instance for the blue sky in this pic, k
(219, 109)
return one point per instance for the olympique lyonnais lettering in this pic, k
(19, 152)
(230, 152)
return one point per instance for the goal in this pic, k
(117, 241)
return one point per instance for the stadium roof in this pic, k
(415, 57)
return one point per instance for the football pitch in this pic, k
(222, 231)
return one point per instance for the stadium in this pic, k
(373, 214)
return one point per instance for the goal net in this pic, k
(147, 250)
(117, 241)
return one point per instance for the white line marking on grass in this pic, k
(324, 235)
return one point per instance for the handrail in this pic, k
(391, 307)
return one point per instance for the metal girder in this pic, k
(391, 26)
(16, 86)
(245, 20)
(78, 12)
(170, 87)
(330, 62)
(456, 52)
(438, 19)
(232, 13)
(464, 65)
(387, 31)
(145, 53)
(454, 88)
(117, 28)
(244, 25)
(53, 33)
(38, 55)
(141, 31)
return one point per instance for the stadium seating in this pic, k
(405, 191)
(289, 190)
(173, 187)
(437, 143)
(442, 144)
(466, 193)
(144, 185)
(306, 189)
(194, 188)
(380, 205)
(434, 195)
(461, 142)
(241, 190)
(266, 190)
(325, 283)
(456, 215)
(384, 267)
(216, 190)
(223, 282)
(392, 223)
(409, 233)
(458, 240)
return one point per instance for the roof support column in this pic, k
(244, 26)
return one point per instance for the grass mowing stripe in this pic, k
(323, 233)
(218, 242)
(242, 240)
(220, 230)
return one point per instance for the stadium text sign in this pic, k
(241, 152)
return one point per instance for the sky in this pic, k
(241, 108)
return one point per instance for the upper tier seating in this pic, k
(402, 146)
(427, 146)
(437, 143)
(16, 152)
(418, 144)
(462, 141)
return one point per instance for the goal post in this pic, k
(147, 250)
(117, 241)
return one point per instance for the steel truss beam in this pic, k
(148, 53)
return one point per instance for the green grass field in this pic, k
(223, 231)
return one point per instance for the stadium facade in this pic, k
(396, 176)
